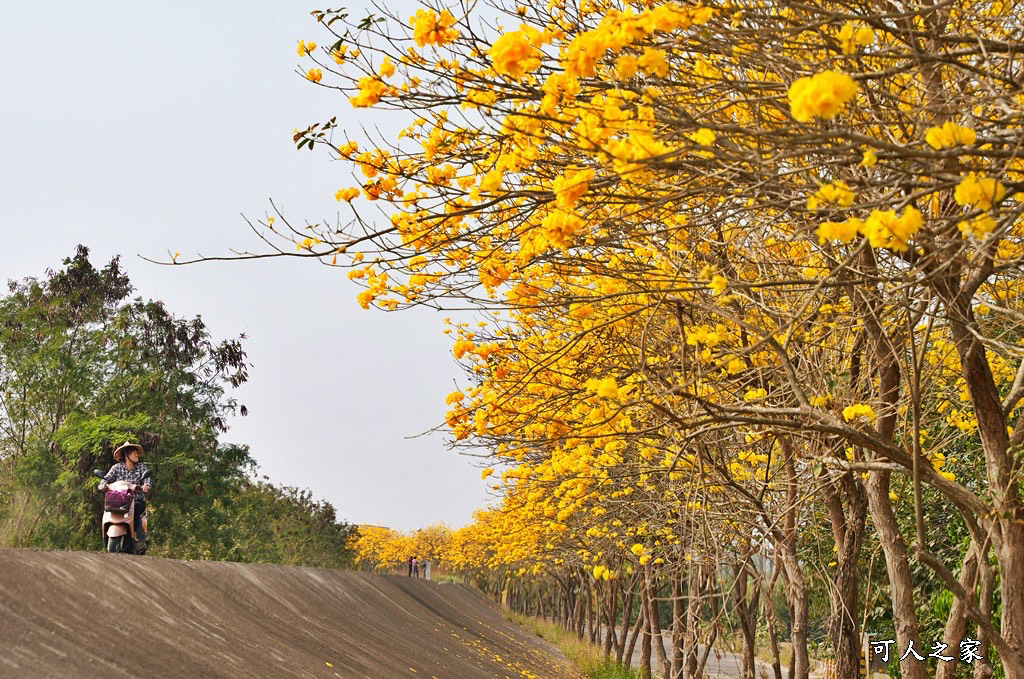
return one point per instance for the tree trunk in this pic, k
(1001, 470)
(567, 606)
(645, 648)
(633, 636)
(982, 670)
(678, 625)
(579, 618)
(773, 637)
(611, 608)
(884, 345)
(627, 614)
(897, 565)
(792, 572)
(746, 612)
(848, 531)
(956, 624)
(692, 619)
(1011, 590)
(591, 631)
(655, 624)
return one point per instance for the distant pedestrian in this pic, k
(426, 569)
(410, 566)
(415, 567)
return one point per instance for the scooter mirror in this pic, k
(148, 474)
(97, 472)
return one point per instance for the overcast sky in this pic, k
(143, 128)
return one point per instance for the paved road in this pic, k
(721, 664)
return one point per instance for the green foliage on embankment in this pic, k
(587, 657)
(85, 367)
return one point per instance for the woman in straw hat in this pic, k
(128, 466)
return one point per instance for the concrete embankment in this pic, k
(81, 614)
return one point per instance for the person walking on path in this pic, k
(410, 566)
(415, 567)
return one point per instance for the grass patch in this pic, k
(785, 653)
(588, 658)
(19, 517)
(449, 579)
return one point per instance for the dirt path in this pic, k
(64, 614)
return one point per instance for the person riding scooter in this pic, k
(129, 467)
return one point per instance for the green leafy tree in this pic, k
(83, 368)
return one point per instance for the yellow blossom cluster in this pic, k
(883, 229)
(371, 90)
(431, 28)
(948, 135)
(823, 95)
(852, 38)
(836, 193)
(979, 191)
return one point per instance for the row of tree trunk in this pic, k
(661, 621)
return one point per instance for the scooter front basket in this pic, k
(117, 501)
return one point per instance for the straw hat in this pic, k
(123, 449)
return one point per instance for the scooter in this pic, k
(119, 517)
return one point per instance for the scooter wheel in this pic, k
(116, 545)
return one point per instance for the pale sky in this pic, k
(142, 128)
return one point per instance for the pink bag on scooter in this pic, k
(119, 501)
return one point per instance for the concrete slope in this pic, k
(83, 614)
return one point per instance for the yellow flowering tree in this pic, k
(735, 256)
